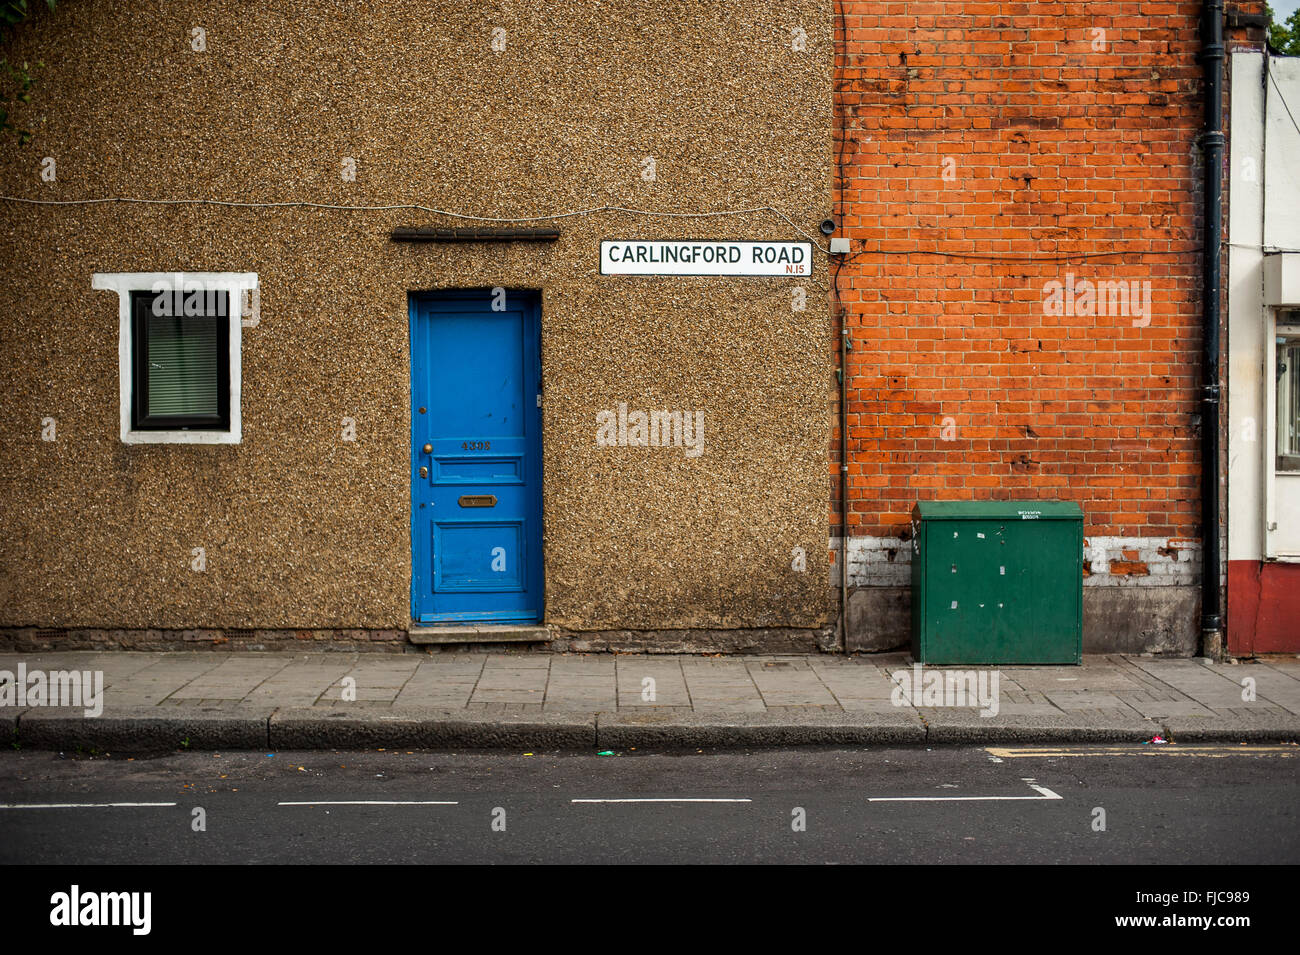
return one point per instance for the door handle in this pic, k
(427, 449)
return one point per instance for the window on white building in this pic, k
(1288, 404)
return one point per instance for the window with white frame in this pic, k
(1287, 352)
(179, 337)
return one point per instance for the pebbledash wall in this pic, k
(1020, 182)
(510, 110)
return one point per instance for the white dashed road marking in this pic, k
(1043, 791)
(658, 800)
(370, 802)
(88, 805)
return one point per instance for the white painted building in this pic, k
(1263, 355)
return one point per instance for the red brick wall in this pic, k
(1060, 158)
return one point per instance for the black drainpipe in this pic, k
(841, 313)
(1212, 146)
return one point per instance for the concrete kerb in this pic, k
(1272, 728)
(152, 729)
(145, 728)
(967, 726)
(421, 728)
(9, 723)
(621, 731)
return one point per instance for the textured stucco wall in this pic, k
(301, 528)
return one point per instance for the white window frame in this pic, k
(1276, 327)
(234, 284)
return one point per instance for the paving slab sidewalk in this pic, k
(251, 700)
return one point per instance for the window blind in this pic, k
(183, 365)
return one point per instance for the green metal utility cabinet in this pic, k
(997, 582)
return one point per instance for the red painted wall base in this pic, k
(1263, 607)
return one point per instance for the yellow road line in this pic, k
(1170, 749)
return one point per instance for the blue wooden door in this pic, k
(476, 493)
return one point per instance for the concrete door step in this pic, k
(480, 633)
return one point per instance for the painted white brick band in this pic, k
(1111, 561)
(1168, 561)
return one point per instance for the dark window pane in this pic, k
(183, 366)
(181, 361)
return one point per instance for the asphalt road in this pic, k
(1169, 805)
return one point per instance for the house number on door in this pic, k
(476, 445)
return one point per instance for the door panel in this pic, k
(476, 506)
